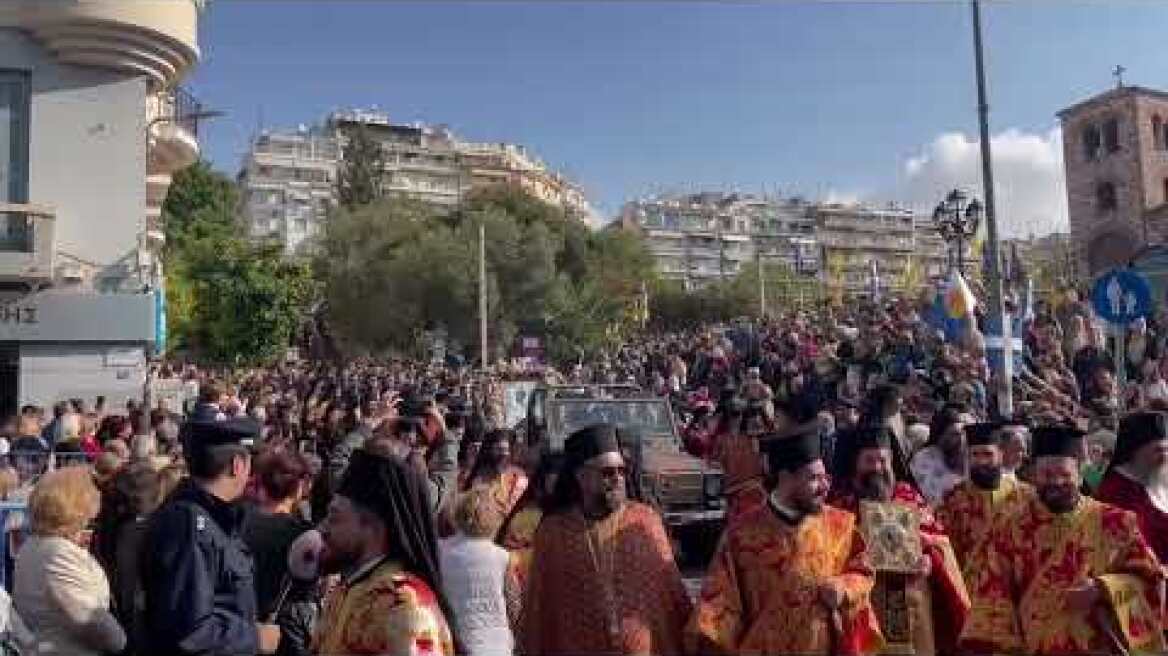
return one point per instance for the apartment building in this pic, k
(289, 178)
(92, 125)
(698, 238)
(901, 246)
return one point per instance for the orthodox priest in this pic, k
(603, 578)
(1066, 574)
(970, 510)
(919, 595)
(1137, 479)
(790, 576)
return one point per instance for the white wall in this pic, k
(86, 152)
(56, 372)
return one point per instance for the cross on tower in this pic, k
(1118, 73)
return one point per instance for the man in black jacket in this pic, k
(197, 575)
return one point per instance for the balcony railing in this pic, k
(177, 107)
(26, 241)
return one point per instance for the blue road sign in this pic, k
(1121, 296)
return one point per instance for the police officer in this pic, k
(197, 574)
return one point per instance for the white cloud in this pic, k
(1029, 183)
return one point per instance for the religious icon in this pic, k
(893, 536)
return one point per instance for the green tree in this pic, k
(359, 175)
(229, 300)
(393, 267)
(247, 300)
(200, 203)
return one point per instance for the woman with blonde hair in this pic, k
(60, 590)
(474, 575)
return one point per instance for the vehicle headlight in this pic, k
(712, 485)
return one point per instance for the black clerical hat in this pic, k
(982, 434)
(873, 437)
(1136, 430)
(589, 442)
(794, 448)
(1057, 440)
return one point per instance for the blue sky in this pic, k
(819, 99)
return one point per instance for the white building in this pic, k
(287, 185)
(902, 244)
(91, 128)
(699, 238)
(288, 179)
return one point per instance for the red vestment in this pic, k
(760, 596)
(1037, 556)
(640, 606)
(969, 513)
(939, 609)
(1122, 492)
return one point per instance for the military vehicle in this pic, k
(687, 490)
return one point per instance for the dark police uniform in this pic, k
(197, 574)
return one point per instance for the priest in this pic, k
(1137, 479)
(919, 595)
(1064, 573)
(970, 509)
(790, 576)
(603, 579)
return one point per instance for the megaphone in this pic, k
(303, 565)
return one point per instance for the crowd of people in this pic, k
(877, 500)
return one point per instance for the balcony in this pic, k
(157, 39)
(26, 242)
(173, 131)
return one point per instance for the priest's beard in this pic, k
(876, 486)
(808, 504)
(606, 501)
(1059, 498)
(986, 477)
(1156, 483)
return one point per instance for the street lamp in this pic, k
(957, 218)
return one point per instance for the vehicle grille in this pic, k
(681, 489)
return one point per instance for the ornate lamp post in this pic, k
(957, 218)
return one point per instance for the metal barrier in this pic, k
(14, 525)
(14, 514)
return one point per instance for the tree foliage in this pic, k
(672, 307)
(199, 204)
(359, 176)
(394, 268)
(229, 300)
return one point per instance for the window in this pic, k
(1157, 133)
(1111, 135)
(15, 230)
(1105, 200)
(1166, 190)
(1091, 142)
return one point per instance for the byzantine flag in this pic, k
(959, 300)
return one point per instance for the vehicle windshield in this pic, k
(648, 417)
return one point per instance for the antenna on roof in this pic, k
(1118, 72)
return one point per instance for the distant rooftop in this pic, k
(1112, 94)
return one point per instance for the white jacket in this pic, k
(474, 571)
(62, 594)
